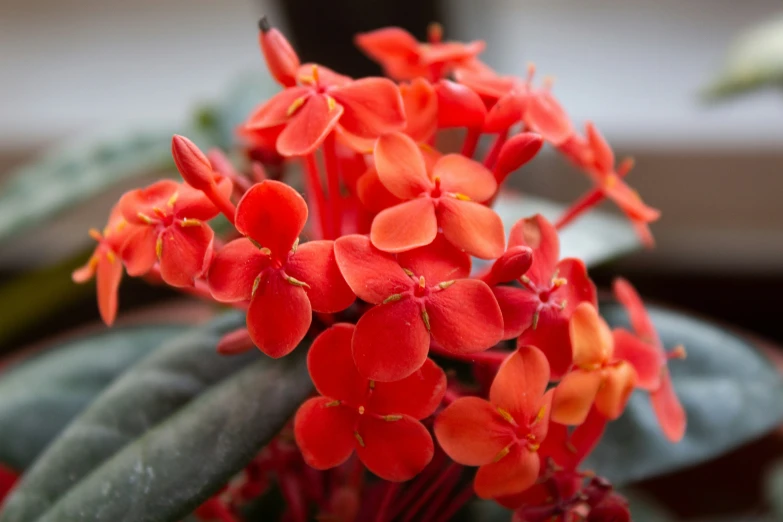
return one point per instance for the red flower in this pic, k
(172, 230)
(502, 435)
(307, 113)
(378, 420)
(421, 297)
(647, 355)
(404, 58)
(283, 281)
(538, 313)
(105, 263)
(599, 377)
(447, 196)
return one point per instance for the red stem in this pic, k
(444, 494)
(579, 207)
(471, 142)
(417, 485)
(333, 183)
(492, 155)
(388, 495)
(456, 503)
(222, 202)
(315, 193)
(453, 468)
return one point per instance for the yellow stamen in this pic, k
(506, 415)
(372, 385)
(422, 284)
(678, 352)
(392, 298)
(332, 404)
(144, 217)
(359, 438)
(392, 418)
(361, 410)
(315, 73)
(293, 248)
(539, 415)
(408, 272)
(525, 279)
(445, 284)
(158, 211)
(110, 256)
(295, 106)
(256, 282)
(172, 199)
(461, 197)
(557, 282)
(533, 447)
(190, 222)
(426, 318)
(159, 247)
(95, 234)
(611, 181)
(535, 320)
(331, 103)
(265, 251)
(502, 453)
(295, 282)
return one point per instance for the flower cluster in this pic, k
(374, 263)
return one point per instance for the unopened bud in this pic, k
(281, 59)
(191, 163)
(516, 152)
(459, 106)
(512, 264)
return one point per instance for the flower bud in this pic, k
(281, 59)
(516, 152)
(459, 106)
(191, 163)
(512, 264)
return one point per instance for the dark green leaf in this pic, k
(40, 396)
(595, 238)
(732, 394)
(165, 436)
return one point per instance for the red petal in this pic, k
(551, 336)
(331, 366)
(438, 262)
(574, 396)
(275, 111)
(85, 272)
(421, 109)
(279, 315)
(400, 166)
(234, 270)
(545, 115)
(629, 202)
(326, 77)
(451, 51)
(518, 307)
(308, 127)
(512, 474)
(193, 204)
(185, 253)
(668, 409)
(394, 450)
(372, 275)
(591, 339)
(371, 107)
(314, 263)
(391, 341)
(387, 42)
(417, 395)
(472, 227)
(461, 175)
(373, 194)
(603, 157)
(516, 152)
(144, 201)
(646, 359)
(579, 287)
(465, 317)
(539, 234)
(506, 112)
(512, 265)
(324, 433)
(459, 106)
(405, 226)
(138, 249)
(640, 320)
(471, 431)
(108, 278)
(520, 383)
(273, 214)
(618, 384)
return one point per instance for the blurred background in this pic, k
(74, 71)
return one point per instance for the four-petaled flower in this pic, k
(447, 195)
(599, 375)
(646, 353)
(305, 114)
(283, 281)
(502, 435)
(173, 230)
(421, 296)
(539, 311)
(379, 420)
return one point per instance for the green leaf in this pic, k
(41, 395)
(74, 173)
(595, 238)
(732, 394)
(166, 435)
(754, 61)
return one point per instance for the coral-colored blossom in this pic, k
(599, 377)
(378, 420)
(447, 196)
(645, 352)
(283, 281)
(502, 435)
(552, 288)
(421, 296)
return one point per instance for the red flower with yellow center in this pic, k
(447, 195)
(421, 297)
(502, 435)
(551, 289)
(599, 376)
(283, 281)
(378, 420)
